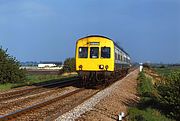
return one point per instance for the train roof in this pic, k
(95, 36)
(106, 38)
(121, 48)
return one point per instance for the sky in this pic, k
(47, 30)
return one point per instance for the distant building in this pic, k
(49, 64)
(42, 65)
(46, 65)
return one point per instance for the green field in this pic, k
(166, 71)
(32, 79)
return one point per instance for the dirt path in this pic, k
(124, 95)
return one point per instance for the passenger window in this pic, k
(94, 52)
(118, 57)
(105, 52)
(115, 56)
(83, 52)
(124, 59)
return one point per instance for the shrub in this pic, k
(69, 65)
(146, 65)
(9, 68)
(162, 66)
(169, 98)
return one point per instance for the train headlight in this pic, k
(101, 66)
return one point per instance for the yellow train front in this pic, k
(99, 58)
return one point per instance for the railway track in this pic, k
(63, 101)
(62, 104)
(50, 109)
(23, 92)
(17, 113)
(26, 101)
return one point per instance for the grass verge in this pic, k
(36, 79)
(147, 114)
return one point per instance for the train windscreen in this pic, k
(83, 52)
(105, 52)
(94, 52)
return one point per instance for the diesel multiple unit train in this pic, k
(99, 58)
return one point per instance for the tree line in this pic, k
(10, 71)
(10, 68)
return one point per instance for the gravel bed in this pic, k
(26, 96)
(23, 102)
(89, 104)
(59, 106)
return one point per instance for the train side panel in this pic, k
(122, 60)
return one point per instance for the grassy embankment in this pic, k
(153, 106)
(33, 79)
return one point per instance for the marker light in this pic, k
(80, 67)
(106, 67)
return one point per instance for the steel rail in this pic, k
(17, 113)
(8, 95)
(49, 118)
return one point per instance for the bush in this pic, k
(169, 98)
(9, 68)
(146, 65)
(162, 66)
(69, 65)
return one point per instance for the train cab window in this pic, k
(94, 52)
(83, 52)
(105, 52)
